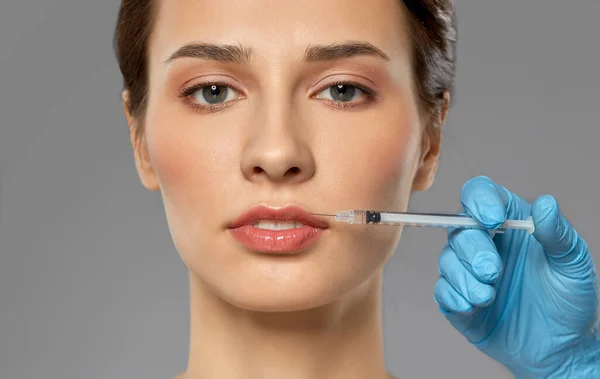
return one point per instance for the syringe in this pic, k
(436, 220)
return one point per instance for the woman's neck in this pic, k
(339, 340)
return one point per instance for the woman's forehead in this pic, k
(285, 27)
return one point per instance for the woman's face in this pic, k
(317, 111)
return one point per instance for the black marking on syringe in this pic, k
(372, 217)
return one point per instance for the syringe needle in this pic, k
(322, 214)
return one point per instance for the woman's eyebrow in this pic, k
(342, 50)
(215, 52)
(241, 55)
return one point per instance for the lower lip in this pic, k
(277, 241)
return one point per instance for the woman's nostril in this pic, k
(293, 171)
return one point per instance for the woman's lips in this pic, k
(277, 241)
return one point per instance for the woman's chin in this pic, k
(270, 295)
(298, 282)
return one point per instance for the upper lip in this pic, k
(289, 213)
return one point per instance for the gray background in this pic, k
(90, 283)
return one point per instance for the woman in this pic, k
(249, 116)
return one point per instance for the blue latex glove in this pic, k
(530, 302)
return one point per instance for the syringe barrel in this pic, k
(357, 216)
(431, 220)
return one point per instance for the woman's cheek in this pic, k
(185, 150)
(397, 165)
(191, 169)
(381, 176)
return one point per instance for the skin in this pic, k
(281, 140)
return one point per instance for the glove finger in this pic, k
(449, 300)
(478, 254)
(475, 292)
(490, 203)
(566, 250)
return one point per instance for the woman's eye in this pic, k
(214, 94)
(342, 93)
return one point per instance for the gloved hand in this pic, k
(530, 302)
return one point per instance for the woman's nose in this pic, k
(277, 150)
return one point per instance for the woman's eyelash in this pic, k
(188, 92)
(364, 89)
(370, 94)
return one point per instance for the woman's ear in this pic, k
(140, 148)
(430, 147)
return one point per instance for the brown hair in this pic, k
(432, 28)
